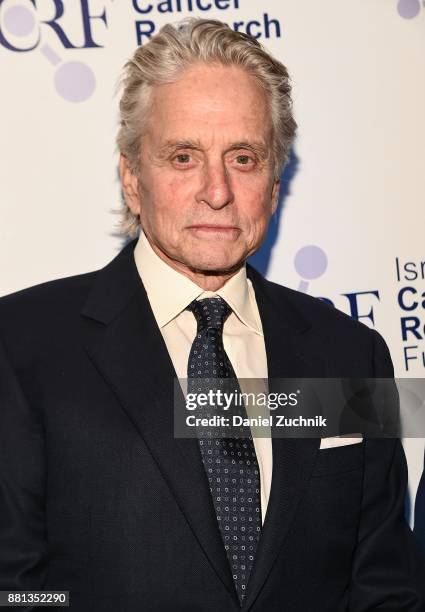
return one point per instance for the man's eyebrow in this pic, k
(175, 145)
(257, 147)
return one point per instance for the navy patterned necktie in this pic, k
(230, 463)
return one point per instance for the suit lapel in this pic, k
(293, 458)
(127, 347)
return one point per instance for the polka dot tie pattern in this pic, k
(230, 463)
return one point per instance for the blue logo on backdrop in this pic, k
(22, 24)
(21, 27)
(311, 263)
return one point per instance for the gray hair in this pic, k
(172, 50)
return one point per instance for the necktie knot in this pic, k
(210, 313)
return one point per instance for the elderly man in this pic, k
(97, 494)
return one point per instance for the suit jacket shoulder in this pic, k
(33, 318)
(39, 317)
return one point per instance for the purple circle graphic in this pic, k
(310, 262)
(75, 81)
(408, 9)
(19, 20)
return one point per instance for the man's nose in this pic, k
(215, 189)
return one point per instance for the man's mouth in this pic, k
(211, 228)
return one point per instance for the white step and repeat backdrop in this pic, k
(351, 223)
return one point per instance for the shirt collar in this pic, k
(169, 291)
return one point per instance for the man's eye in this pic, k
(243, 159)
(182, 158)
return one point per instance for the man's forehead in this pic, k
(198, 112)
(202, 91)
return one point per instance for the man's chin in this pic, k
(215, 267)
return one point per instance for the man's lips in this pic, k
(208, 227)
(206, 231)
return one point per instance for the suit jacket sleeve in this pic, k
(387, 574)
(23, 545)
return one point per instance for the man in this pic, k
(97, 495)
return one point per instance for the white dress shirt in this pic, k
(169, 292)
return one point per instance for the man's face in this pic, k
(206, 191)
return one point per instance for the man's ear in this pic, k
(129, 186)
(275, 196)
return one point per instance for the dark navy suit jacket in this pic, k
(98, 497)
